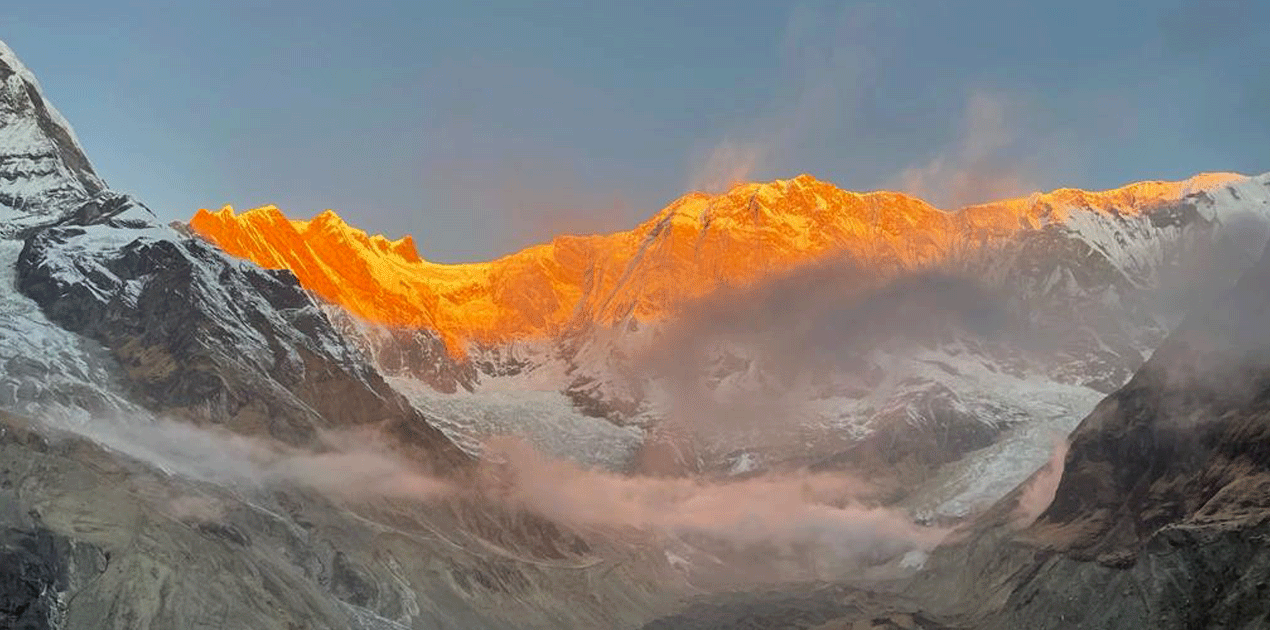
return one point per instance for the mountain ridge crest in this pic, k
(696, 243)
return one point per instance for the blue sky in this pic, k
(481, 127)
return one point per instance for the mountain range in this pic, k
(814, 407)
(1087, 284)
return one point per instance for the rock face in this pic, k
(1187, 436)
(33, 573)
(1166, 487)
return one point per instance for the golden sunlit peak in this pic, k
(227, 212)
(329, 218)
(1215, 180)
(1133, 197)
(692, 246)
(330, 222)
(807, 179)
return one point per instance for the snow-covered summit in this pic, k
(43, 169)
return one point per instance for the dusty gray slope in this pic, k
(93, 539)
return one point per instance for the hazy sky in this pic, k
(481, 127)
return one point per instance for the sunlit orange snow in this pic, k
(695, 245)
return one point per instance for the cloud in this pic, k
(742, 373)
(854, 103)
(826, 68)
(794, 518)
(978, 165)
(730, 162)
(817, 315)
(814, 520)
(349, 465)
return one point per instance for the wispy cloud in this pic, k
(806, 521)
(826, 62)
(778, 525)
(977, 165)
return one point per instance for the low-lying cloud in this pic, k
(821, 519)
(803, 515)
(345, 464)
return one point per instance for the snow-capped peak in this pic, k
(43, 169)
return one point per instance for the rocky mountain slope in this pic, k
(43, 166)
(1160, 517)
(125, 531)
